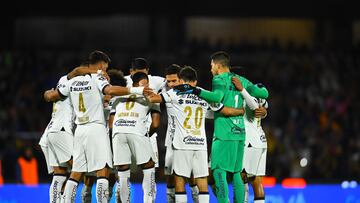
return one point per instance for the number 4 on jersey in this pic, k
(81, 103)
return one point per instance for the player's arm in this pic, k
(53, 95)
(261, 112)
(114, 90)
(155, 98)
(216, 95)
(155, 123)
(229, 111)
(83, 70)
(250, 101)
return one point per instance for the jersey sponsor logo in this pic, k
(80, 89)
(194, 140)
(181, 101)
(123, 123)
(237, 130)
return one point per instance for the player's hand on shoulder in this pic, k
(148, 91)
(237, 83)
(260, 112)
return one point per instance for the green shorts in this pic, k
(227, 155)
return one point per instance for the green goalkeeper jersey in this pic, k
(224, 91)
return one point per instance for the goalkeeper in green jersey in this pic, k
(229, 132)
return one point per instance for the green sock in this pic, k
(222, 189)
(239, 189)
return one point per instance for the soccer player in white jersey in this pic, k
(130, 138)
(156, 83)
(254, 161)
(189, 138)
(57, 143)
(172, 79)
(116, 78)
(91, 144)
(57, 140)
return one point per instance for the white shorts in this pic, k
(92, 150)
(45, 150)
(187, 162)
(169, 158)
(125, 145)
(154, 146)
(60, 148)
(254, 162)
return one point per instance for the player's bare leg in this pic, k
(112, 182)
(86, 190)
(180, 193)
(124, 182)
(170, 188)
(194, 189)
(259, 195)
(202, 184)
(148, 184)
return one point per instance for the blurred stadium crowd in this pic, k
(313, 114)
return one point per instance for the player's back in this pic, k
(131, 114)
(86, 97)
(189, 120)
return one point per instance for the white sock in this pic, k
(259, 200)
(102, 190)
(148, 185)
(124, 185)
(180, 197)
(55, 188)
(86, 194)
(195, 193)
(70, 191)
(246, 190)
(204, 197)
(170, 194)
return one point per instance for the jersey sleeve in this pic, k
(216, 106)
(159, 83)
(101, 82)
(63, 87)
(245, 82)
(217, 93)
(155, 107)
(169, 96)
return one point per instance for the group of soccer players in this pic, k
(102, 121)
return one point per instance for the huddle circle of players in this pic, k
(116, 119)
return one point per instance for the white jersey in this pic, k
(131, 114)
(62, 117)
(86, 96)
(188, 120)
(156, 83)
(255, 136)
